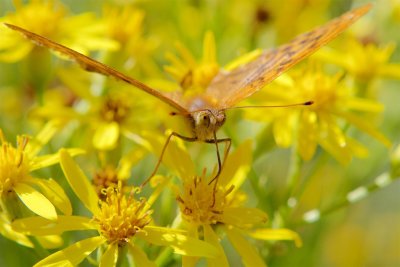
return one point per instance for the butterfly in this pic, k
(206, 112)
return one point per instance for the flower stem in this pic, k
(293, 174)
(164, 257)
(354, 196)
(41, 252)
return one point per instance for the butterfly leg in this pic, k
(215, 141)
(188, 139)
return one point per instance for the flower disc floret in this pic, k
(200, 204)
(14, 167)
(121, 217)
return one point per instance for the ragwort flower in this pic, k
(364, 61)
(16, 165)
(208, 211)
(119, 220)
(112, 114)
(192, 76)
(323, 123)
(21, 191)
(125, 25)
(50, 19)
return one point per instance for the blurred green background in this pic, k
(364, 234)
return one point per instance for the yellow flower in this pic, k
(208, 211)
(50, 19)
(125, 25)
(119, 220)
(17, 184)
(110, 175)
(303, 16)
(16, 165)
(323, 123)
(190, 75)
(365, 61)
(115, 113)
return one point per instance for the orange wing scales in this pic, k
(94, 66)
(232, 87)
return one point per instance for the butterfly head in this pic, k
(206, 122)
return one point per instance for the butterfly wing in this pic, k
(231, 87)
(92, 65)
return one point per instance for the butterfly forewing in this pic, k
(229, 88)
(92, 65)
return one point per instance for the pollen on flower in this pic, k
(114, 109)
(104, 178)
(121, 217)
(200, 204)
(14, 166)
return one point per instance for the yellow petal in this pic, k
(74, 254)
(357, 148)
(209, 50)
(48, 160)
(110, 256)
(365, 105)
(79, 182)
(283, 131)
(175, 150)
(35, 201)
(213, 239)
(43, 137)
(276, 234)
(364, 125)
(8, 232)
(17, 53)
(307, 135)
(125, 164)
(249, 254)
(246, 58)
(140, 257)
(242, 217)
(333, 140)
(50, 241)
(106, 136)
(54, 192)
(181, 243)
(390, 71)
(237, 166)
(41, 226)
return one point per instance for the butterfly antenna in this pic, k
(307, 103)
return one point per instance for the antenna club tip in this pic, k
(308, 103)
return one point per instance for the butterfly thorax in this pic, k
(204, 119)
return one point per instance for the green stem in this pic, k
(121, 256)
(164, 257)
(39, 249)
(352, 197)
(293, 174)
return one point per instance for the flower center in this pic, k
(114, 109)
(14, 166)
(321, 88)
(42, 18)
(120, 216)
(199, 203)
(104, 178)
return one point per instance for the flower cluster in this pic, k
(104, 174)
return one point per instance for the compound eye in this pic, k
(206, 118)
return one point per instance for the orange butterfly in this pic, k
(206, 112)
